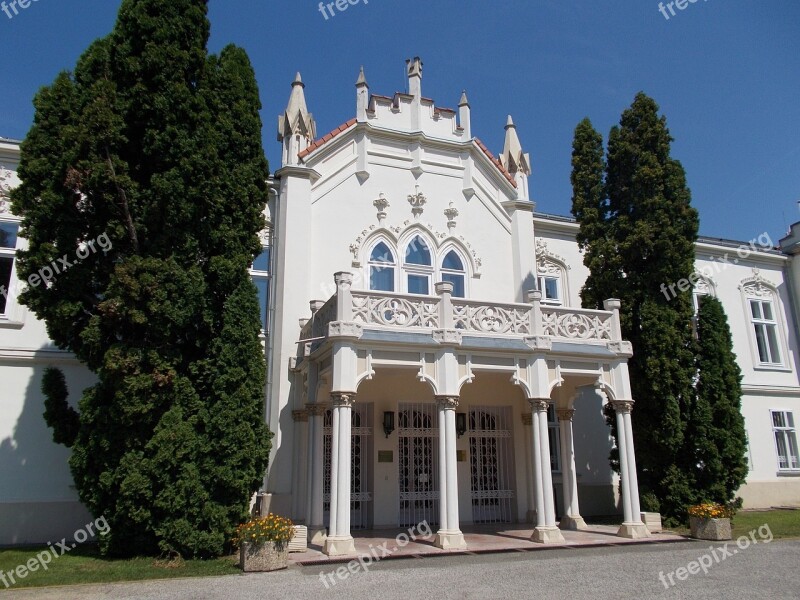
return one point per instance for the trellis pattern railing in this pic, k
(492, 318)
(576, 324)
(392, 310)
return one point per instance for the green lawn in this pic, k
(783, 524)
(85, 565)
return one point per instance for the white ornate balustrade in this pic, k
(393, 311)
(396, 310)
(577, 324)
(499, 319)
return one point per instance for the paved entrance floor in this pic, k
(396, 543)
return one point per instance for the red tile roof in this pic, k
(326, 138)
(496, 162)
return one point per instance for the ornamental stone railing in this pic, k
(389, 310)
(484, 317)
(577, 324)
(395, 310)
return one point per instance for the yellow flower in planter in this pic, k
(260, 530)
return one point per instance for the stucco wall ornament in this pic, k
(547, 262)
(5, 190)
(757, 285)
(417, 202)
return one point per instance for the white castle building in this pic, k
(428, 356)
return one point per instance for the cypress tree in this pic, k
(716, 441)
(147, 163)
(642, 238)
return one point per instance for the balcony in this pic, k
(390, 311)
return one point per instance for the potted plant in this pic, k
(711, 521)
(264, 543)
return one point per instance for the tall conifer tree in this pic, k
(156, 145)
(716, 441)
(644, 236)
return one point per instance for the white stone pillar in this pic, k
(315, 520)
(527, 422)
(537, 470)
(546, 533)
(632, 526)
(339, 541)
(572, 515)
(450, 538)
(442, 467)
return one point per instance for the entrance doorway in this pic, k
(491, 464)
(418, 464)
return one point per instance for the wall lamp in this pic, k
(461, 424)
(388, 423)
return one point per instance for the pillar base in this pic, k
(633, 531)
(547, 535)
(317, 535)
(450, 540)
(339, 546)
(572, 523)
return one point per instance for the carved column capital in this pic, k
(527, 419)
(539, 404)
(447, 402)
(316, 410)
(300, 416)
(623, 406)
(565, 414)
(342, 400)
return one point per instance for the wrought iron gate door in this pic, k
(418, 464)
(361, 440)
(491, 464)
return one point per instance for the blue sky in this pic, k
(725, 73)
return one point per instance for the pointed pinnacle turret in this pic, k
(464, 101)
(513, 158)
(362, 79)
(296, 119)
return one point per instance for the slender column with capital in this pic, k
(449, 536)
(546, 531)
(632, 526)
(527, 422)
(572, 515)
(315, 510)
(339, 541)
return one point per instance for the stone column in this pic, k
(315, 520)
(339, 541)
(546, 531)
(572, 515)
(449, 538)
(527, 422)
(632, 526)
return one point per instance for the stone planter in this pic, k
(264, 557)
(710, 529)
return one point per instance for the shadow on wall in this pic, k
(38, 502)
(597, 493)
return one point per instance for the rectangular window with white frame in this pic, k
(8, 249)
(551, 290)
(765, 327)
(785, 440)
